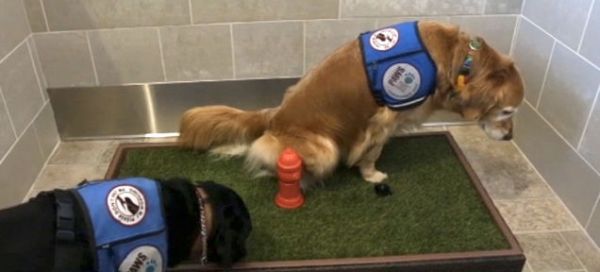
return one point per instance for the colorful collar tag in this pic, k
(465, 70)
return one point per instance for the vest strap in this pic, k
(67, 253)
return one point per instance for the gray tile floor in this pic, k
(550, 236)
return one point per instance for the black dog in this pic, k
(32, 238)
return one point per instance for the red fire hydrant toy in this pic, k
(289, 171)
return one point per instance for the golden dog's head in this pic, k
(492, 93)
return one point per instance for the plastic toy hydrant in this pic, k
(289, 172)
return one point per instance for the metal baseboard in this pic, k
(152, 109)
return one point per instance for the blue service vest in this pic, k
(127, 219)
(401, 72)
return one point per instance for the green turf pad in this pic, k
(434, 207)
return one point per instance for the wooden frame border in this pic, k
(506, 260)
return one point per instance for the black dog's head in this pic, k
(232, 224)
(231, 221)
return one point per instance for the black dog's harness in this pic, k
(67, 253)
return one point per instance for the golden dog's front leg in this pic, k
(367, 165)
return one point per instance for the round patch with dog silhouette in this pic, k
(126, 204)
(384, 39)
(144, 258)
(401, 81)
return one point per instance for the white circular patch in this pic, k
(384, 39)
(126, 204)
(142, 259)
(401, 81)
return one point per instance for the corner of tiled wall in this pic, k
(558, 126)
(28, 132)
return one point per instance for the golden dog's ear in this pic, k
(498, 76)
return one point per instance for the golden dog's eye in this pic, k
(507, 112)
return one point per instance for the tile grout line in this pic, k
(233, 68)
(585, 26)
(196, 81)
(483, 8)
(539, 98)
(44, 81)
(23, 133)
(44, 166)
(563, 44)
(565, 140)
(191, 13)
(39, 145)
(527, 232)
(162, 55)
(14, 49)
(339, 14)
(37, 76)
(12, 125)
(516, 32)
(44, 15)
(589, 220)
(26, 13)
(572, 251)
(437, 17)
(304, 47)
(89, 44)
(553, 197)
(589, 117)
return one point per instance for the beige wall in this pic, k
(27, 129)
(558, 128)
(91, 43)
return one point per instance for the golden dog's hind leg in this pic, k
(367, 165)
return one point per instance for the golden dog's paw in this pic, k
(375, 177)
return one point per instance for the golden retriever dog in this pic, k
(331, 116)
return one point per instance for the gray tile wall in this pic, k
(126, 56)
(28, 132)
(185, 60)
(565, 20)
(323, 37)
(215, 40)
(14, 26)
(559, 127)
(210, 11)
(76, 14)
(268, 49)
(65, 59)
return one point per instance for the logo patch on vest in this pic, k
(142, 259)
(401, 81)
(126, 204)
(384, 39)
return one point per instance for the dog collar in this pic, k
(201, 244)
(464, 73)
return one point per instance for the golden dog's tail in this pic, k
(212, 126)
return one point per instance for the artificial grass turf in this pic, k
(434, 207)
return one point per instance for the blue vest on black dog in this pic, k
(128, 224)
(400, 71)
